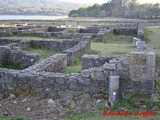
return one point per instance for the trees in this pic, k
(120, 8)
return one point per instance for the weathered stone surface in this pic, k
(125, 30)
(141, 45)
(140, 33)
(84, 81)
(98, 74)
(108, 66)
(85, 73)
(113, 88)
(155, 97)
(77, 51)
(142, 71)
(13, 55)
(89, 61)
(135, 40)
(55, 63)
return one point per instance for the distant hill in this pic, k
(119, 8)
(37, 7)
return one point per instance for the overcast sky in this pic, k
(104, 1)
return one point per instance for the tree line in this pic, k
(119, 8)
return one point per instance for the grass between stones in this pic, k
(44, 53)
(13, 66)
(74, 68)
(7, 118)
(36, 38)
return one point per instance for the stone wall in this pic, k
(58, 45)
(103, 34)
(55, 63)
(125, 30)
(89, 30)
(55, 29)
(90, 61)
(13, 55)
(49, 83)
(3, 52)
(142, 72)
(5, 34)
(140, 33)
(4, 41)
(77, 51)
(136, 74)
(74, 49)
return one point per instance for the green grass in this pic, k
(153, 35)
(127, 101)
(74, 68)
(112, 49)
(36, 38)
(113, 45)
(94, 52)
(119, 39)
(157, 83)
(13, 66)
(44, 53)
(8, 118)
(147, 34)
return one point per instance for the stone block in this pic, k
(98, 74)
(113, 88)
(84, 81)
(135, 40)
(85, 73)
(108, 66)
(141, 45)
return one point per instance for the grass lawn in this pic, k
(152, 34)
(44, 53)
(114, 45)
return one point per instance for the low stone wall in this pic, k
(55, 29)
(55, 63)
(13, 55)
(81, 35)
(89, 30)
(90, 61)
(45, 83)
(3, 51)
(2, 34)
(43, 34)
(125, 31)
(58, 45)
(77, 51)
(74, 49)
(4, 41)
(101, 36)
(140, 33)
(136, 74)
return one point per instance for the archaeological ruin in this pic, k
(109, 75)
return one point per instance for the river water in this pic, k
(30, 17)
